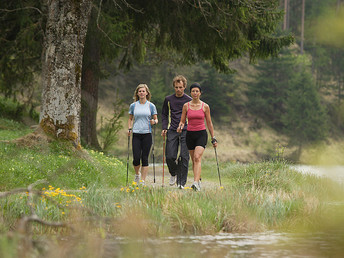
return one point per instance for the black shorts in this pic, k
(196, 138)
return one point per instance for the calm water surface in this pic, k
(267, 244)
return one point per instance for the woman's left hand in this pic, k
(214, 142)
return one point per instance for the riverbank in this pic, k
(85, 199)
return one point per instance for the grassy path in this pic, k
(206, 183)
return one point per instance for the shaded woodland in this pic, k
(277, 63)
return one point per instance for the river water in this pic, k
(334, 172)
(267, 244)
(262, 244)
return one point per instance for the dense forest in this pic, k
(289, 78)
(298, 94)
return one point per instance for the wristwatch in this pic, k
(213, 140)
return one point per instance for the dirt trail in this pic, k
(206, 184)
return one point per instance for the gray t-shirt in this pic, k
(142, 113)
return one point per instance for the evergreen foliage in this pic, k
(305, 118)
(21, 24)
(217, 90)
(268, 93)
(285, 97)
(216, 30)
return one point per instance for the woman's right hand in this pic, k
(129, 132)
(180, 128)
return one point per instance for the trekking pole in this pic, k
(163, 161)
(179, 176)
(128, 159)
(153, 153)
(218, 170)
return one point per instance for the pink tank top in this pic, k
(195, 119)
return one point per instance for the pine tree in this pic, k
(217, 90)
(305, 118)
(268, 93)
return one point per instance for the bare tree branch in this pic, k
(24, 8)
(106, 35)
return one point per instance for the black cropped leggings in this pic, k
(141, 145)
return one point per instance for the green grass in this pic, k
(86, 190)
(10, 129)
(56, 163)
(23, 166)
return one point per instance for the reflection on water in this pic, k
(267, 244)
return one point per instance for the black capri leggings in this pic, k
(141, 147)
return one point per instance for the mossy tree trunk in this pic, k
(61, 72)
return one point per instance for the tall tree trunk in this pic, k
(302, 25)
(90, 84)
(62, 62)
(285, 15)
(288, 14)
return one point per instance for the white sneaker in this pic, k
(173, 180)
(137, 178)
(180, 187)
(196, 186)
(142, 182)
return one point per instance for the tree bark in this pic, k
(62, 63)
(302, 25)
(90, 84)
(285, 15)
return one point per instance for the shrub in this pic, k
(11, 109)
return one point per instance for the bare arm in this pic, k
(130, 124)
(183, 118)
(210, 124)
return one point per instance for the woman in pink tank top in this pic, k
(196, 136)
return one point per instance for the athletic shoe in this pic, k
(137, 178)
(173, 180)
(196, 186)
(142, 182)
(180, 187)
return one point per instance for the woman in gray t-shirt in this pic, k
(142, 115)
